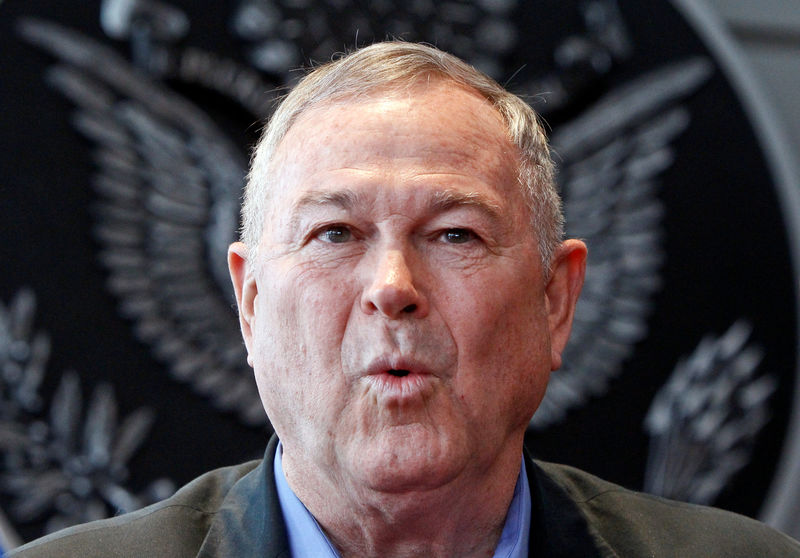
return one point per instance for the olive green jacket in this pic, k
(234, 513)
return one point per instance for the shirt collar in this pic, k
(517, 529)
(306, 537)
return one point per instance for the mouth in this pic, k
(396, 366)
(399, 379)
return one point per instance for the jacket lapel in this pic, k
(249, 523)
(558, 528)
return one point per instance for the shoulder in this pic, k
(636, 524)
(174, 527)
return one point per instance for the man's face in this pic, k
(397, 316)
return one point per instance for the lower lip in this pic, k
(400, 387)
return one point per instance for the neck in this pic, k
(464, 517)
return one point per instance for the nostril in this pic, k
(410, 308)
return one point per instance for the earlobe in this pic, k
(568, 268)
(245, 288)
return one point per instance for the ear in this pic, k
(246, 290)
(568, 268)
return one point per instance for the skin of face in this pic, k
(397, 314)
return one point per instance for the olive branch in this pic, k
(66, 462)
(704, 421)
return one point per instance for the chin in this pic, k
(411, 458)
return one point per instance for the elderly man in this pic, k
(404, 294)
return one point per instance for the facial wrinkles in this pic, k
(399, 162)
(393, 261)
(428, 343)
(472, 149)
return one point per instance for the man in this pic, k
(404, 294)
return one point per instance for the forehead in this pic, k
(427, 132)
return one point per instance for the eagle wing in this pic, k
(612, 156)
(169, 182)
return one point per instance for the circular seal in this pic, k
(129, 125)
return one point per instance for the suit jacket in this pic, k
(234, 513)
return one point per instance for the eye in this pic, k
(458, 236)
(335, 234)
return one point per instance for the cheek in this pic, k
(302, 305)
(505, 336)
(505, 307)
(300, 318)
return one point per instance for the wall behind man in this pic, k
(768, 33)
(681, 250)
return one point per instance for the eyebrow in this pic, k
(343, 199)
(449, 199)
(443, 200)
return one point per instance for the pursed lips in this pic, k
(399, 377)
(397, 367)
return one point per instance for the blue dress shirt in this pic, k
(307, 540)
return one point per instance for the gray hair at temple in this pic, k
(392, 66)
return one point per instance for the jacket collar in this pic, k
(558, 528)
(250, 524)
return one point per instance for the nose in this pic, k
(391, 289)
